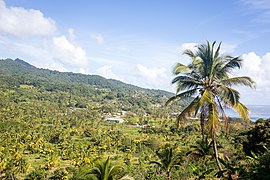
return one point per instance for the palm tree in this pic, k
(104, 170)
(208, 78)
(202, 149)
(167, 161)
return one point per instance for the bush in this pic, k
(37, 174)
(258, 138)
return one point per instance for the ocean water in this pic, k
(256, 112)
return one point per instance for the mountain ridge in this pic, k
(9, 65)
(20, 61)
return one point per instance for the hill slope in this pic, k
(75, 88)
(21, 68)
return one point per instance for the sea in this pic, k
(256, 112)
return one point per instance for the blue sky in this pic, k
(137, 42)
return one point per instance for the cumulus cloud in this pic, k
(257, 67)
(40, 47)
(97, 37)
(69, 54)
(154, 77)
(57, 53)
(23, 22)
(107, 72)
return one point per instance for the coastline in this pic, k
(256, 112)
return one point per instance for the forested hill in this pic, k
(107, 92)
(21, 69)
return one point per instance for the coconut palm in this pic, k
(208, 79)
(167, 161)
(105, 170)
(202, 149)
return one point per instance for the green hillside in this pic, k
(88, 90)
(35, 76)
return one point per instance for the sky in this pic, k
(137, 42)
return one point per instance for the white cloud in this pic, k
(97, 37)
(257, 68)
(154, 77)
(68, 53)
(42, 56)
(191, 46)
(23, 22)
(106, 71)
(55, 54)
(71, 34)
(40, 47)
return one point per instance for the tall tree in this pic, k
(208, 79)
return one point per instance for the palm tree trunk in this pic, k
(202, 125)
(168, 175)
(216, 152)
(202, 117)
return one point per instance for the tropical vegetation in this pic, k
(52, 127)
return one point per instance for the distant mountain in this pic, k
(20, 61)
(111, 93)
(19, 67)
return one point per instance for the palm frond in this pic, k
(206, 98)
(113, 170)
(185, 85)
(217, 51)
(185, 94)
(218, 71)
(228, 95)
(192, 107)
(181, 68)
(241, 80)
(189, 53)
(204, 52)
(156, 162)
(213, 114)
(232, 63)
(242, 110)
(185, 79)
